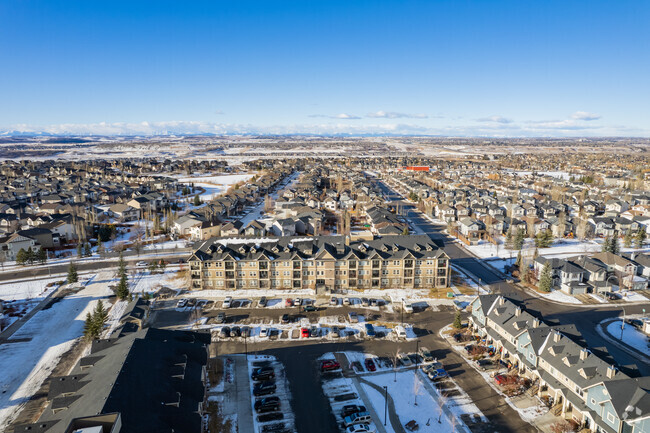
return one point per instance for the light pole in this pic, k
(246, 344)
(478, 287)
(402, 312)
(385, 403)
(623, 323)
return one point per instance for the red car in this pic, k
(288, 302)
(304, 332)
(370, 365)
(501, 379)
(329, 365)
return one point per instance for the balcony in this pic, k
(230, 275)
(408, 263)
(296, 265)
(230, 265)
(296, 274)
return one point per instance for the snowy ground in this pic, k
(558, 296)
(25, 365)
(214, 186)
(414, 401)
(146, 282)
(631, 336)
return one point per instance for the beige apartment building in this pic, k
(321, 263)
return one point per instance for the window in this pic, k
(395, 271)
(396, 262)
(593, 402)
(418, 262)
(611, 418)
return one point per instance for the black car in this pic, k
(264, 388)
(284, 318)
(273, 416)
(263, 373)
(225, 332)
(221, 318)
(245, 331)
(309, 308)
(351, 409)
(235, 331)
(267, 404)
(262, 302)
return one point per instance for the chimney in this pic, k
(517, 312)
(347, 240)
(584, 353)
(556, 337)
(536, 323)
(611, 371)
(502, 300)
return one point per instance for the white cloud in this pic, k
(495, 119)
(583, 115)
(345, 116)
(394, 115)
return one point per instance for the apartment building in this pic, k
(321, 263)
(583, 384)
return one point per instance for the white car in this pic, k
(400, 332)
(359, 428)
(346, 301)
(408, 308)
(264, 332)
(141, 264)
(227, 302)
(181, 303)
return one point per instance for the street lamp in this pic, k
(402, 312)
(478, 286)
(246, 344)
(385, 403)
(623, 323)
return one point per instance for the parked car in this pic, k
(288, 302)
(284, 318)
(484, 363)
(235, 331)
(400, 332)
(351, 409)
(191, 302)
(335, 332)
(273, 416)
(263, 373)
(357, 418)
(438, 373)
(329, 365)
(334, 301)
(221, 317)
(408, 308)
(264, 388)
(267, 404)
(297, 302)
(304, 332)
(227, 302)
(370, 330)
(224, 332)
(181, 303)
(262, 302)
(370, 365)
(352, 317)
(264, 332)
(365, 302)
(314, 332)
(346, 301)
(359, 428)
(245, 331)
(426, 355)
(310, 308)
(141, 264)
(404, 359)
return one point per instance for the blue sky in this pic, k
(485, 68)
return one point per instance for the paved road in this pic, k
(585, 318)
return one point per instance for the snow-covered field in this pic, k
(215, 185)
(23, 290)
(631, 336)
(25, 365)
(146, 282)
(415, 401)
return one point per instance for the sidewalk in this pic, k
(394, 419)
